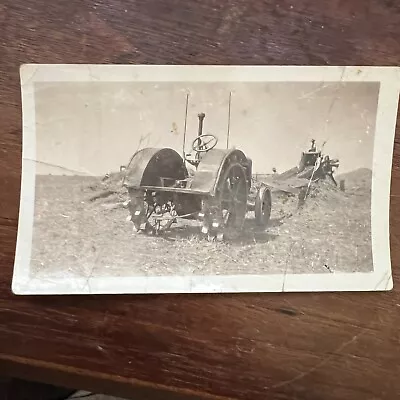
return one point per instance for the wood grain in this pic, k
(248, 346)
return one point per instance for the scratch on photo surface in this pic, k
(26, 68)
(386, 276)
(334, 100)
(288, 255)
(34, 274)
(398, 75)
(92, 268)
(87, 281)
(139, 147)
(42, 279)
(388, 280)
(321, 363)
(88, 173)
(313, 92)
(52, 120)
(363, 114)
(190, 284)
(92, 76)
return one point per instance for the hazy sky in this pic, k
(93, 128)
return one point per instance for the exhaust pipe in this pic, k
(201, 119)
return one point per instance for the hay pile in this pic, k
(324, 190)
(107, 190)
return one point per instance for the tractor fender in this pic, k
(149, 164)
(212, 167)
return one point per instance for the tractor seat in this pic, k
(176, 183)
(192, 160)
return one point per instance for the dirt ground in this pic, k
(77, 234)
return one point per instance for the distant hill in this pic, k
(361, 177)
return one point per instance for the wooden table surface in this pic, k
(246, 346)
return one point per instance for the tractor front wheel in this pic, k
(263, 205)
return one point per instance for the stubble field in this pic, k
(77, 235)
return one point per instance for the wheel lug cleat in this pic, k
(204, 229)
(211, 238)
(220, 236)
(136, 228)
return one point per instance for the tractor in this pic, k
(211, 185)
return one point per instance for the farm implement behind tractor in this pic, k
(213, 186)
(313, 167)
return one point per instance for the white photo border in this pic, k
(379, 279)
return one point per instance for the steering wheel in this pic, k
(204, 143)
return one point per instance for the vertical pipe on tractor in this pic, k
(229, 120)
(184, 129)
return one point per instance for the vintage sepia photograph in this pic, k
(180, 179)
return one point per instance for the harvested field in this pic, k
(81, 228)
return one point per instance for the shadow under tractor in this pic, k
(211, 185)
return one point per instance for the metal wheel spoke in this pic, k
(227, 200)
(225, 217)
(233, 198)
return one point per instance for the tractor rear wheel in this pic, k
(226, 212)
(263, 204)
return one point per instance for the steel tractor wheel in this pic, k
(226, 211)
(151, 212)
(262, 208)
